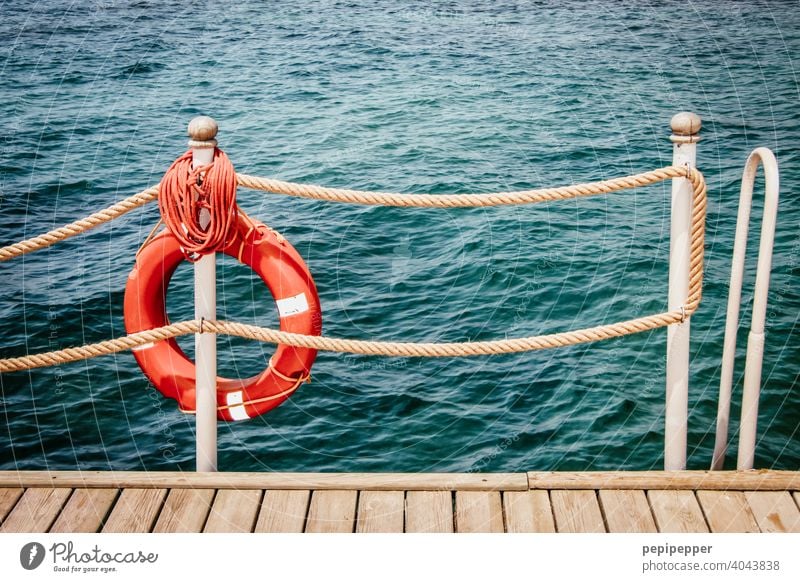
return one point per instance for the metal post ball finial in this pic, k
(203, 129)
(685, 127)
(686, 123)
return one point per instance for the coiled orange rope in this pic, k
(186, 192)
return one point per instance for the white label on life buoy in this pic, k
(237, 409)
(292, 305)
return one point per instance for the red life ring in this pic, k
(169, 369)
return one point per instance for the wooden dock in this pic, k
(680, 501)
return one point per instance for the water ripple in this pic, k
(420, 98)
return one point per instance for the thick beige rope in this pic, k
(356, 197)
(459, 200)
(408, 349)
(67, 231)
(697, 180)
(371, 348)
(99, 349)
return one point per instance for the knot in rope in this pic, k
(198, 204)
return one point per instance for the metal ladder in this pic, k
(755, 341)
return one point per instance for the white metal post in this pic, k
(685, 130)
(202, 131)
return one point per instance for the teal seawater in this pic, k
(410, 97)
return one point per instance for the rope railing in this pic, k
(402, 349)
(353, 197)
(352, 346)
(459, 200)
(75, 228)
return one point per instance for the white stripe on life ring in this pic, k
(292, 305)
(237, 412)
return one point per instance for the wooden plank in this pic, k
(576, 511)
(381, 512)
(429, 512)
(332, 512)
(36, 510)
(283, 511)
(185, 511)
(727, 512)
(479, 512)
(8, 499)
(528, 512)
(753, 480)
(234, 511)
(85, 511)
(312, 481)
(774, 511)
(626, 511)
(136, 511)
(677, 511)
